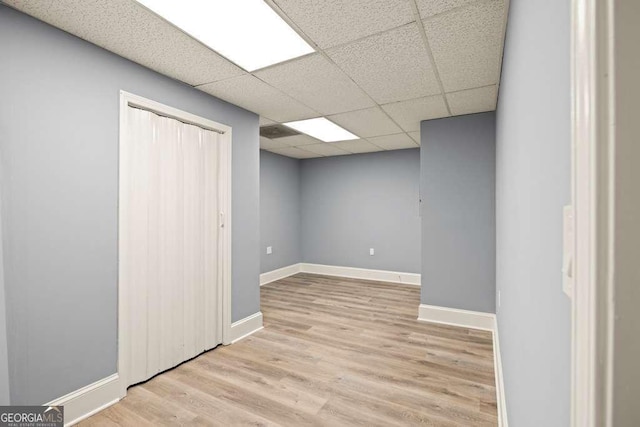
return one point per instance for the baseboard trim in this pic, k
(362, 273)
(497, 362)
(280, 273)
(245, 327)
(456, 317)
(474, 320)
(88, 400)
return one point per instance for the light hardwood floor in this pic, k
(334, 352)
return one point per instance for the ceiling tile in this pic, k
(298, 140)
(266, 122)
(357, 146)
(269, 144)
(394, 142)
(415, 136)
(254, 95)
(409, 114)
(433, 7)
(325, 149)
(473, 100)
(467, 44)
(133, 32)
(318, 83)
(296, 153)
(332, 22)
(391, 66)
(365, 123)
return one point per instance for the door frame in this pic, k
(224, 220)
(593, 189)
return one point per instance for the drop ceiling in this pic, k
(379, 66)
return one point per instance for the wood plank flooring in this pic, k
(334, 352)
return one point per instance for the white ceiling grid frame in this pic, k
(415, 136)
(407, 71)
(467, 43)
(429, 8)
(326, 149)
(427, 46)
(358, 146)
(408, 114)
(295, 152)
(253, 94)
(394, 142)
(131, 31)
(193, 58)
(298, 140)
(318, 83)
(302, 34)
(367, 122)
(330, 23)
(475, 100)
(270, 144)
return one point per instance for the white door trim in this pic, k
(592, 189)
(127, 100)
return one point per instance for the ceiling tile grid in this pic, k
(295, 152)
(253, 94)
(372, 72)
(429, 8)
(394, 142)
(128, 29)
(318, 83)
(367, 122)
(390, 66)
(332, 22)
(473, 100)
(325, 149)
(357, 146)
(408, 114)
(467, 44)
(298, 140)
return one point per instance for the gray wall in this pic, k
(279, 211)
(353, 203)
(532, 185)
(457, 181)
(626, 339)
(59, 148)
(4, 357)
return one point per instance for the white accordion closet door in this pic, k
(170, 226)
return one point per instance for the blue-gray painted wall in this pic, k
(457, 182)
(361, 201)
(59, 172)
(280, 217)
(532, 186)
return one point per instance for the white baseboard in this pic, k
(245, 327)
(84, 402)
(362, 273)
(280, 273)
(497, 362)
(474, 320)
(457, 317)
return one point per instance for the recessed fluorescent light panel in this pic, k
(322, 129)
(248, 32)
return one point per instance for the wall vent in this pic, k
(277, 131)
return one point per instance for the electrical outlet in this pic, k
(372, 251)
(269, 250)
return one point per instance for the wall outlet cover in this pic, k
(269, 250)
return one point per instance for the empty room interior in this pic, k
(305, 212)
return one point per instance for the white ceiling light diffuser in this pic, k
(322, 129)
(247, 32)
